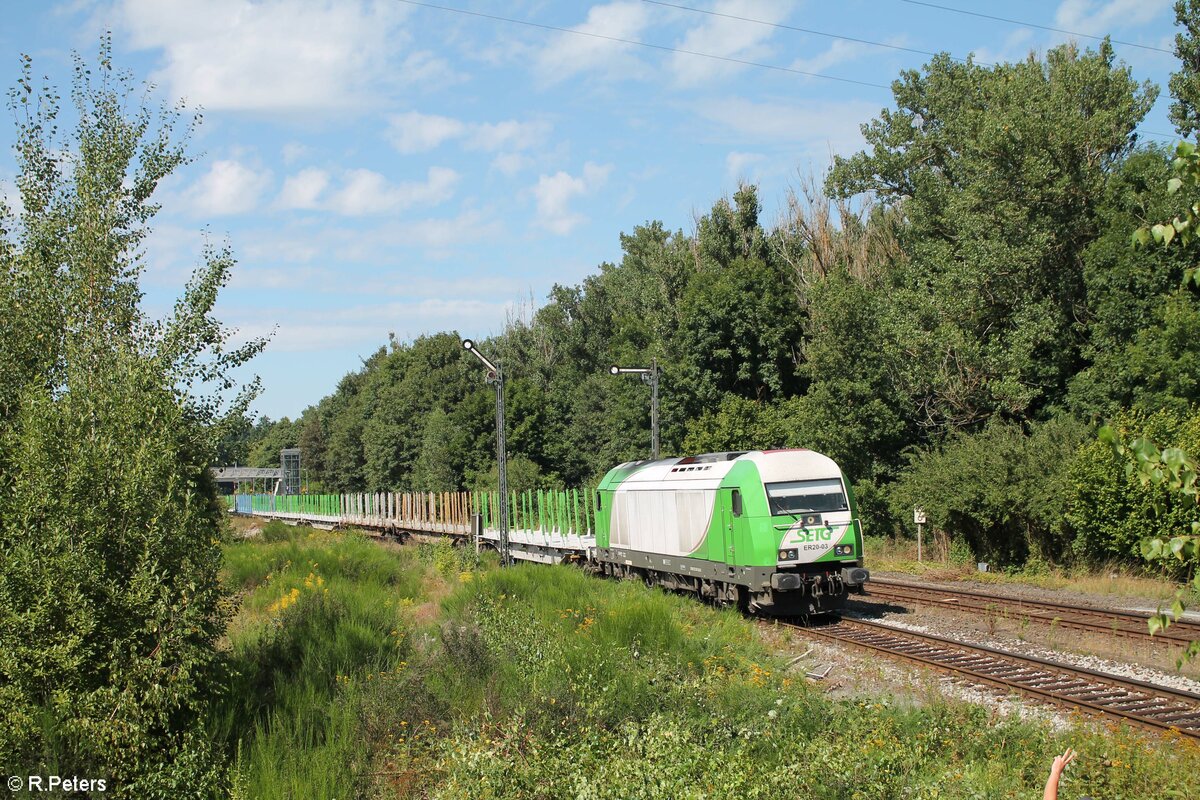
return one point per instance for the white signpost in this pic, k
(919, 518)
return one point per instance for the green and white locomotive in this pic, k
(775, 531)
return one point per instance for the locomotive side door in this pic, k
(729, 508)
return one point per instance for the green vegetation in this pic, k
(396, 672)
(951, 315)
(110, 534)
(320, 615)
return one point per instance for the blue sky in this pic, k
(387, 167)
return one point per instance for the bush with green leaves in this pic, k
(1109, 509)
(1167, 475)
(1001, 490)
(110, 606)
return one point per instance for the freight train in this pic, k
(774, 532)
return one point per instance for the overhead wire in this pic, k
(649, 45)
(744, 62)
(798, 29)
(1031, 25)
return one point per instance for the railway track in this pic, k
(1156, 707)
(1127, 624)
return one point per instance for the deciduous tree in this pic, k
(110, 534)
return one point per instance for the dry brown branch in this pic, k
(819, 235)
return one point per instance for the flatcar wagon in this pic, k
(773, 531)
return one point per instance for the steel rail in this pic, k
(1118, 622)
(1090, 691)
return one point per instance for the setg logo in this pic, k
(801, 534)
(814, 541)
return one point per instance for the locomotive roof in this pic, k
(707, 470)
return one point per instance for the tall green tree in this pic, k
(740, 325)
(110, 533)
(1136, 316)
(1185, 84)
(999, 171)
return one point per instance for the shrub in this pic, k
(1108, 510)
(110, 603)
(1001, 491)
(277, 531)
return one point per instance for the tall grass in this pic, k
(603, 689)
(360, 671)
(320, 614)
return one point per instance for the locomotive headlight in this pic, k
(843, 550)
(787, 555)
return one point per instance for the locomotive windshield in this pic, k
(806, 497)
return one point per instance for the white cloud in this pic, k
(414, 132)
(737, 164)
(568, 54)
(362, 325)
(839, 52)
(229, 187)
(555, 192)
(1016, 46)
(730, 38)
(439, 233)
(367, 192)
(274, 55)
(280, 247)
(303, 190)
(812, 129)
(243, 277)
(474, 286)
(508, 135)
(293, 152)
(431, 234)
(380, 244)
(362, 191)
(1097, 18)
(428, 71)
(511, 163)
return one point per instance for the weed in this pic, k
(277, 531)
(543, 682)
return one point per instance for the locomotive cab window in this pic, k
(806, 497)
(737, 503)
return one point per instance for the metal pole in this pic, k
(476, 534)
(654, 408)
(502, 467)
(648, 375)
(919, 526)
(497, 376)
